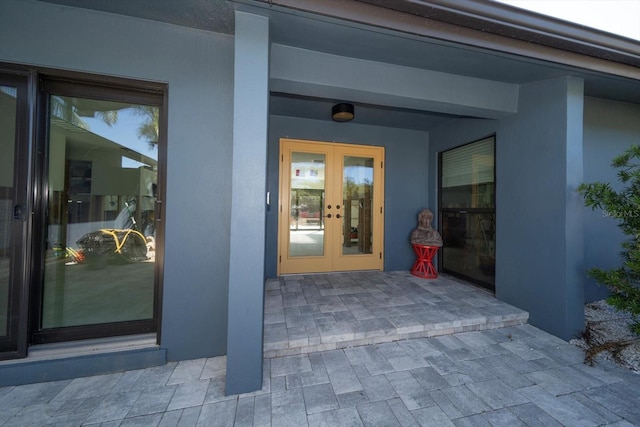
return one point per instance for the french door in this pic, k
(331, 214)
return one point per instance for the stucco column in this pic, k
(539, 249)
(248, 208)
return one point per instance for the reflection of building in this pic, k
(89, 185)
(425, 77)
(7, 118)
(307, 193)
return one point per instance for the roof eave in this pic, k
(504, 20)
(484, 24)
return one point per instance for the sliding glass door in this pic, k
(99, 243)
(13, 213)
(81, 188)
(467, 211)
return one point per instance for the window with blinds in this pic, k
(468, 176)
(467, 216)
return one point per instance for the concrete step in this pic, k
(309, 313)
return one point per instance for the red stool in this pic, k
(423, 267)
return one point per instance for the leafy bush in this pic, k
(623, 205)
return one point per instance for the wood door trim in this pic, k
(338, 262)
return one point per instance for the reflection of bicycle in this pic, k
(123, 243)
(66, 252)
(113, 245)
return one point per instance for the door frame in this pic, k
(470, 210)
(84, 86)
(14, 344)
(333, 258)
(29, 192)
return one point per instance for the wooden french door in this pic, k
(331, 215)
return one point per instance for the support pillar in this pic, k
(248, 208)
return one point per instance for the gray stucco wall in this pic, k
(539, 247)
(609, 129)
(198, 68)
(539, 241)
(406, 182)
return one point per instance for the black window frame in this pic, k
(41, 83)
(14, 344)
(466, 210)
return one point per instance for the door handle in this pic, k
(337, 215)
(328, 216)
(18, 213)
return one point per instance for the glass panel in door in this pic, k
(357, 196)
(467, 211)
(469, 245)
(326, 213)
(100, 224)
(8, 107)
(307, 193)
(14, 147)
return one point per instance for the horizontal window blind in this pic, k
(471, 164)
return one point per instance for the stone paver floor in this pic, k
(319, 312)
(340, 353)
(511, 376)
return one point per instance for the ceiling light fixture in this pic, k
(342, 112)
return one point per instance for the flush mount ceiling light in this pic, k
(342, 112)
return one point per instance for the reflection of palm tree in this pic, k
(109, 117)
(350, 187)
(354, 190)
(149, 128)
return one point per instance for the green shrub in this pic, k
(623, 205)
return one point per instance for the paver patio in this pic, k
(509, 376)
(319, 312)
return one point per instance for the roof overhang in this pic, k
(500, 19)
(482, 24)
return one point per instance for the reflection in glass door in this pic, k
(306, 234)
(100, 227)
(13, 145)
(331, 216)
(360, 188)
(357, 196)
(8, 105)
(467, 212)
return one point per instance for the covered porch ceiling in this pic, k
(423, 47)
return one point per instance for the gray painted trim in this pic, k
(28, 372)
